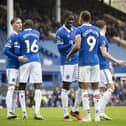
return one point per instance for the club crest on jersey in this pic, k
(13, 80)
(16, 43)
(67, 76)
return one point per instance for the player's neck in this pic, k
(102, 31)
(69, 27)
(86, 22)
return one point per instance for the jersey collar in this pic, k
(27, 29)
(68, 30)
(15, 32)
(87, 24)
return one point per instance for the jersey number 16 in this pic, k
(33, 47)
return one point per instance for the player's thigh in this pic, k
(24, 72)
(84, 74)
(12, 76)
(105, 77)
(67, 73)
(95, 74)
(36, 73)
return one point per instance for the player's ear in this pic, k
(80, 21)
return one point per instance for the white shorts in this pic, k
(12, 75)
(89, 74)
(69, 73)
(105, 77)
(30, 72)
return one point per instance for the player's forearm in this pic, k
(74, 50)
(121, 42)
(8, 53)
(63, 47)
(17, 51)
(111, 58)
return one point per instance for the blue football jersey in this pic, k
(29, 41)
(104, 63)
(90, 41)
(11, 51)
(65, 40)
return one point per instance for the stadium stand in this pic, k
(50, 47)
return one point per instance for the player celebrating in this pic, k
(65, 36)
(31, 70)
(105, 74)
(87, 42)
(12, 65)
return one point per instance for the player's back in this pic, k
(29, 44)
(90, 42)
(104, 62)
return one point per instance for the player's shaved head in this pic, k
(28, 23)
(85, 16)
(100, 23)
(68, 18)
(67, 14)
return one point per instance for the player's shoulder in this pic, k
(74, 27)
(102, 35)
(20, 33)
(103, 38)
(59, 30)
(95, 27)
(36, 31)
(79, 27)
(12, 36)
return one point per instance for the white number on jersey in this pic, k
(33, 48)
(91, 41)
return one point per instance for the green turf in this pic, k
(54, 117)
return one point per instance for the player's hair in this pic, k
(14, 20)
(28, 23)
(66, 14)
(100, 23)
(85, 16)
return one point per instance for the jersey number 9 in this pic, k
(91, 41)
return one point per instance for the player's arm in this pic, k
(17, 48)
(121, 42)
(62, 47)
(111, 68)
(7, 51)
(76, 47)
(60, 43)
(111, 58)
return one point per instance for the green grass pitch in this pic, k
(54, 117)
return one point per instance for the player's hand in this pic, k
(121, 63)
(22, 59)
(68, 57)
(115, 39)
